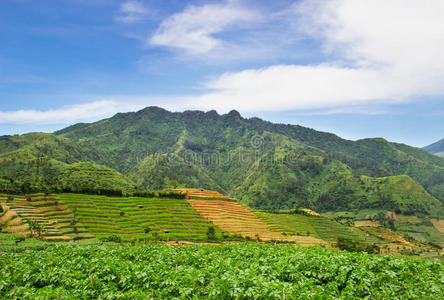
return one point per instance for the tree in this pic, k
(211, 233)
(35, 228)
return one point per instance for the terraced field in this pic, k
(136, 217)
(52, 216)
(318, 227)
(236, 219)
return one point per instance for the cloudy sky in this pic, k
(356, 68)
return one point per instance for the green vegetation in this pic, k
(243, 271)
(422, 230)
(89, 178)
(319, 227)
(139, 218)
(264, 165)
(38, 162)
(283, 169)
(324, 185)
(18, 243)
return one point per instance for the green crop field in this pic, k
(170, 219)
(234, 271)
(320, 227)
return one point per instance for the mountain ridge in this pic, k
(265, 165)
(436, 148)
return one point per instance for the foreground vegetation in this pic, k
(242, 271)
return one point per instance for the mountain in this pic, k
(265, 165)
(436, 148)
(42, 161)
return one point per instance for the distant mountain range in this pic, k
(264, 165)
(436, 148)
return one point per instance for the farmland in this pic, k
(137, 217)
(236, 271)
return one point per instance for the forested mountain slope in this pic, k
(46, 162)
(223, 152)
(263, 164)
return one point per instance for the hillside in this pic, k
(68, 216)
(265, 165)
(436, 148)
(45, 162)
(275, 164)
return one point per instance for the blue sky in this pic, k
(356, 68)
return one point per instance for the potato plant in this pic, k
(242, 271)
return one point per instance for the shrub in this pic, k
(145, 194)
(171, 194)
(155, 236)
(112, 238)
(348, 244)
(211, 233)
(122, 213)
(354, 246)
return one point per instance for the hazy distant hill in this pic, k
(436, 148)
(263, 164)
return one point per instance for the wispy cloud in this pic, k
(62, 115)
(92, 111)
(194, 28)
(131, 12)
(386, 52)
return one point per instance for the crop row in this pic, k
(242, 271)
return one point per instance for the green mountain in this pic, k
(436, 148)
(265, 165)
(42, 161)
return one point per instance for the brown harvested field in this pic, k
(8, 215)
(367, 224)
(439, 224)
(391, 236)
(234, 218)
(21, 229)
(403, 218)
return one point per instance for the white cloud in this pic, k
(131, 12)
(387, 51)
(193, 29)
(62, 115)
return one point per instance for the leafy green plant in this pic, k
(35, 228)
(234, 271)
(211, 233)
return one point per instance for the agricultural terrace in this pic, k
(40, 215)
(234, 218)
(137, 217)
